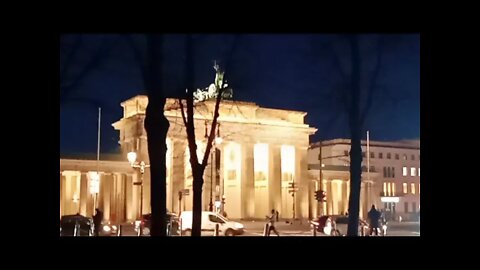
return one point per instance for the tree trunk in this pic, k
(156, 125)
(197, 201)
(356, 148)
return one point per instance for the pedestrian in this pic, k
(374, 216)
(276, 216)
(271, 226)
(97, 221)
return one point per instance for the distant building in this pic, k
(393, 183)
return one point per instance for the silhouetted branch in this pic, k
(373, 81)
(70, 56)
(137, 54)
(92, 63)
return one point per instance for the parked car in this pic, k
(108, 229)
(145, 223)
(341, 225)
(76, 225)
(337, 225)
(209, 222)
(323, 224)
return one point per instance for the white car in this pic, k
(209, 222)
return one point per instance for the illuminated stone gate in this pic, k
(261, 151)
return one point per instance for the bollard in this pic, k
(181, 228)
(314, 230)
(119, 231)
(76, 230)
(266, 230)
(139, 229)
(217, 228)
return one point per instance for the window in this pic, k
(414, 207)
(215, 219)
(345, 152)
(393, 188)
(287, 176)
(406, 207)
(380, 155)
(419, 171)
(260, 176)
(393, 172)
(372, 155)
(389, 156)
(372, 168)
(384, 172)
(363, 154)
(389, 189)
(404, 157)
(405, 172)
(412, 188)
(405, 188)
(232, 174)
(397, 157)
(384, 188)
(418, 188)
(412, 171)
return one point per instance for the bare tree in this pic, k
(198, 168)
(156, 126)
(356, 88)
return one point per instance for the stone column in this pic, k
(302, 181)
(178, 174)
(135, 196)
(329, 196)
(345, 194)
(247, 184)
(130, 215)
(107, 185)
(146, 191)
(62, 194)
(275, 178)
(84, 192)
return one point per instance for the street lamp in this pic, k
(132, 158)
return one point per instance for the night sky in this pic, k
(294, 72)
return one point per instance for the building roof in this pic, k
(93, 156)
(405, 144)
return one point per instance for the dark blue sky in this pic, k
(293, 72)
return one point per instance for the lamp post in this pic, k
(132, 158)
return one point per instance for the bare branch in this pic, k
(337, 64)
(190, 86)
(94, 61)
(69, 58)
(373, 80)
(137, 54)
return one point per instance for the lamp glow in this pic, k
(132, 157)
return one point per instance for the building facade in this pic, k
(249, 171)
(391, 182)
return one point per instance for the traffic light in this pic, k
(320, 195)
